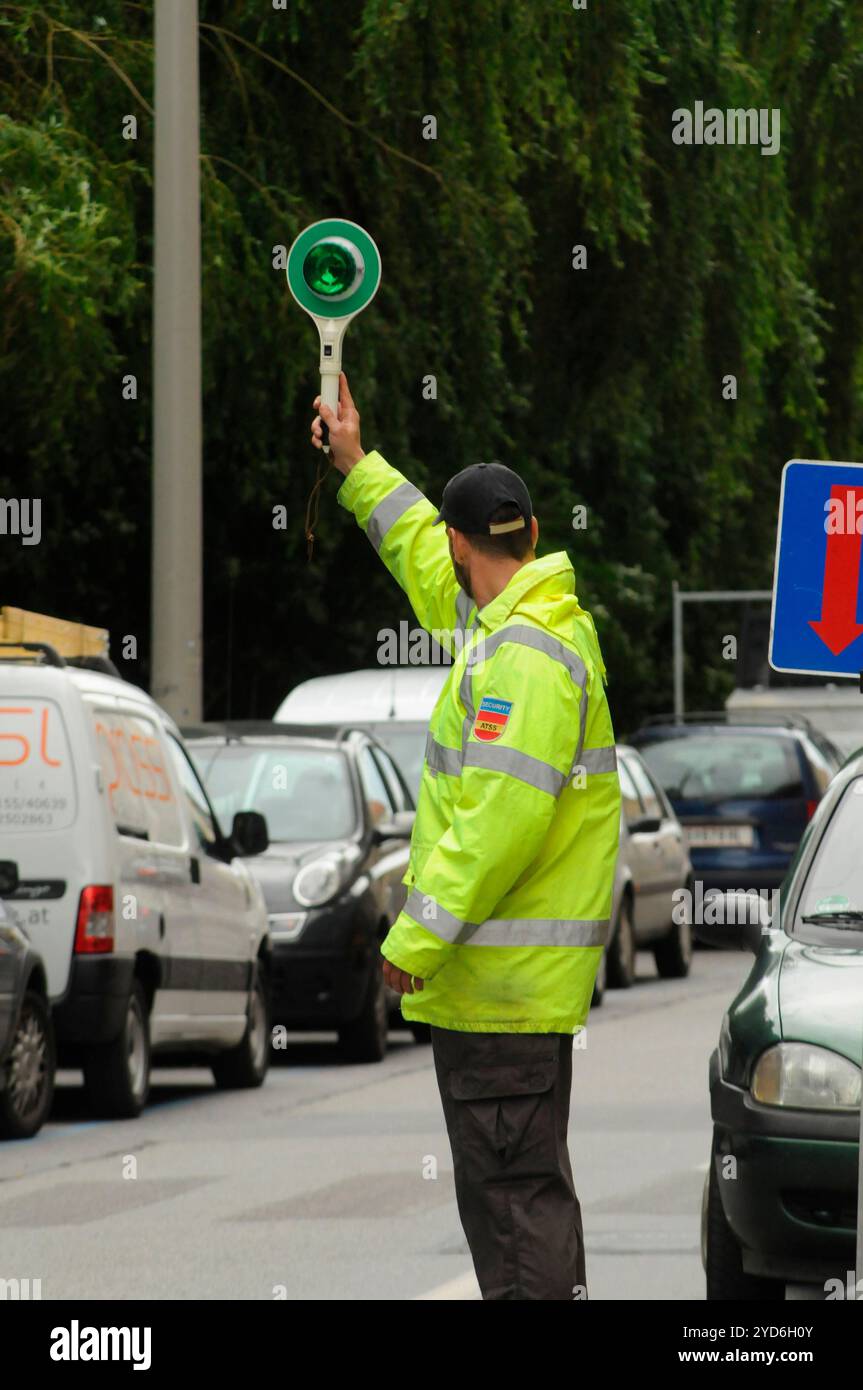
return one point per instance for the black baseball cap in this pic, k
(472, 497)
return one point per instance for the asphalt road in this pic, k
(335, 1181)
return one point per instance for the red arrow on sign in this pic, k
(838, 626)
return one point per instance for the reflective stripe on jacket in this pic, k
(514, 847)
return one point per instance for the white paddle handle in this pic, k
(330, 397)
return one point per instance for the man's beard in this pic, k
(463, 577)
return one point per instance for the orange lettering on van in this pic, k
(17, 738)
(52, 762)
(100, 729)
(120, 734)
(160, 772)
(139, 762)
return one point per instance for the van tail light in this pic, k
(94, 933)
(810, 809)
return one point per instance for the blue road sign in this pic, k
(814, 627)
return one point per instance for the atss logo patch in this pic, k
(492, 718)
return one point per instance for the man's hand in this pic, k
(345, 447)
(399, 980)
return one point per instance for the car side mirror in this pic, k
(646, 825)
(399, 828)
(737, 920)
(249, 833)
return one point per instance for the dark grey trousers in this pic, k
(506, 1104)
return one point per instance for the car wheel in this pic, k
(25, 1100)
(245, 1066)
(600, 982)
(727, 1280)
(117, 1074)
(673, 954)
(364, 1039)
(621, 950)
(421, 1032)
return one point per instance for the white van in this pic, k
(152, 930)
(835, 710)
(394, 702)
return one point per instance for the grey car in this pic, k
(653, 874)
(27, 1054)
(339, 816)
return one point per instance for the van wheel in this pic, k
(243, 1067)
(364, 1039)
(25, 1100)
(117, 1074)
(620, 956)
(723, 1263)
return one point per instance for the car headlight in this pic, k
(317, 882)
(806, 1077)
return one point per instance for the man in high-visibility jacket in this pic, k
(513, 851)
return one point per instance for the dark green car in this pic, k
(780, 1204)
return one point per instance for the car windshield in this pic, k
(723, 767)
(305, 794)
(833, 892)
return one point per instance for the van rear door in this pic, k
(153, 870)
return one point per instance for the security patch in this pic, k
(492, 718)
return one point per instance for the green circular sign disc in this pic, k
(334, 268)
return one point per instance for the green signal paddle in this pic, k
(334, 269)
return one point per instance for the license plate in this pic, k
(720, 836)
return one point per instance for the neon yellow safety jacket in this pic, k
(514, 847)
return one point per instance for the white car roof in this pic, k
(833, 710)
(52, 681)
(402, 693)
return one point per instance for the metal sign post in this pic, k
(681, 596)
(334, 269)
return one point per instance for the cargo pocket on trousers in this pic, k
(504, 1115)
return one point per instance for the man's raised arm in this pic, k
(397, 519)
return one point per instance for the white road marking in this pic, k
(462, 1287)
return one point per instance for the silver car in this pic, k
(652, 864)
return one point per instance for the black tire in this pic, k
(600, 983)
(364, 1039)
(421, 1032)
(117, 1074)
(726, 1279)
(621, 953)
(25, 1101)
(673, 953)
(245, 1066)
